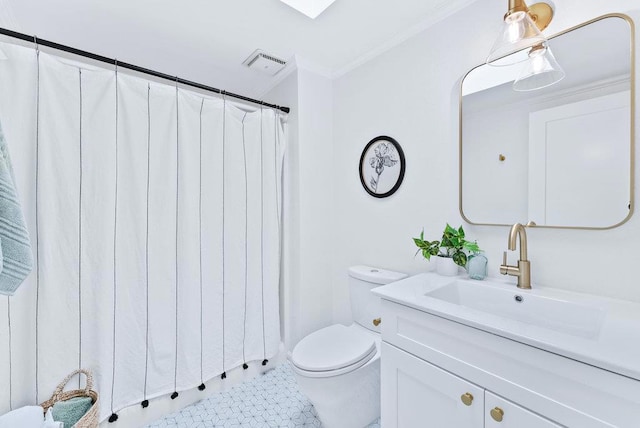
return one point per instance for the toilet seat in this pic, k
(333, 351)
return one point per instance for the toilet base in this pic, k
(346, 401)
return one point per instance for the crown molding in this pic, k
(294, 64)
(305, 64)
(443, 11)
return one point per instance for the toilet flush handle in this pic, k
(377, 321)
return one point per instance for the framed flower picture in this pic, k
(382, 167)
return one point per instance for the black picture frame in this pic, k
(379, 163)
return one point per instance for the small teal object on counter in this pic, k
(477, 266)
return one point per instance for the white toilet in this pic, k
(338, 367)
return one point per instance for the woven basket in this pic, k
(90, 419)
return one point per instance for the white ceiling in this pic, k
(311, 8)
(207, 40)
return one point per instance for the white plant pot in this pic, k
(445, 266)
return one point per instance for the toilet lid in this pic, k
(332, 348)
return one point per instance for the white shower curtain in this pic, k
(154, 215)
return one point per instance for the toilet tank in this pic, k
(365, 306)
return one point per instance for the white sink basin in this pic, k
(596, 330)
(522, 305)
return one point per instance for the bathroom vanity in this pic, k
(460, 353)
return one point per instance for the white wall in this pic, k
(306, 287)
(314, 308)
(411, 93)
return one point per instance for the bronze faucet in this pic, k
(523, 270)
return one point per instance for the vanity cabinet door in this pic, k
(501, 413)
(418, 394)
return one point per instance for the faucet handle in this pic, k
(504, 267)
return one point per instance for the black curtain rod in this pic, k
(96, 57)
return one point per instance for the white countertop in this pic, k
(615, 347)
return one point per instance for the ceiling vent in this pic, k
(264, 62)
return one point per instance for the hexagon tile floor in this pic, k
(270, 400)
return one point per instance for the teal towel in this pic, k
(71, 411)
(15, 247)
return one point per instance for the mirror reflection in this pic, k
(560, 156)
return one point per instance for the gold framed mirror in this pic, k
(559, 157)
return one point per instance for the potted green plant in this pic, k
(452, 250)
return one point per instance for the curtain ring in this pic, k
(35, 42)
(115, 62)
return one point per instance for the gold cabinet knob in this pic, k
(497, 414)
(377, 321)
(467, 398)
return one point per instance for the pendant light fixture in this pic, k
(522, 29)
(540, 71)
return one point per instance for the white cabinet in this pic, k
(428, 363)
(418, 394)
(501, 413)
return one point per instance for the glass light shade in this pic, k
(518, 32)
(541, 70)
